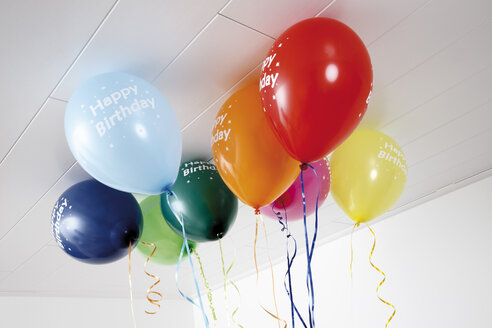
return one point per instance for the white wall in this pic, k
(437, 258)
(56, 312)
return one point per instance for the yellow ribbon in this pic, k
(276, 316)
(130, 283)
(149, 290)
(382, 281)
(352, 248)
(207, 287)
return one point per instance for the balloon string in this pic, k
(207, 287)
(130, 283)
(225, 282)
(290, 261)
(229, 281)
(276, 316)
(310, 250)
(382, 281)
(187, 247)
(352, 249)
(149, 290)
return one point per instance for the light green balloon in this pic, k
(156, 230)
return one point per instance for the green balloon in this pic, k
(158, 232)
(207, 206)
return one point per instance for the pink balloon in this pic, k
(292, 198)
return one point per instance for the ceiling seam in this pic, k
(219, 98)
(325, 8)
(474, 74)
(184, 49)
(446, 47)
(58, 99)
(64, 75)
(247, 26)
(39, 199)
(451, 147)
(399, 22)
(470, 111)
(24, 262)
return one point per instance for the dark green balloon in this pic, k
(158, 232)
(207, 206)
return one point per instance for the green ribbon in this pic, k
(229, 281)
(207, 287)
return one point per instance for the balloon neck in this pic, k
(304, 166)
(257, 211)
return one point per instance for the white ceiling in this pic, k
(432, 65)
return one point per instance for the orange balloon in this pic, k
(248, 156)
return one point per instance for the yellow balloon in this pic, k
(368, 173)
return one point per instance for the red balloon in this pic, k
(315, 85)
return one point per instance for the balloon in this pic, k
(124, 133)
(157, 231)
(369, 171)
(315, 85)
(292, 198)
(248, 156)
(208, 208)
(94, 223)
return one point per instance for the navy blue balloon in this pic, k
(95, 224)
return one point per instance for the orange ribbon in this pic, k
(150, 292)
(130, 283)
(276, 316)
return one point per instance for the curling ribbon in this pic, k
(290, 261)
(382, 281)
(225, 281)
(207, 287)
(259, 216)
(229, 281)
(149, 290)
(187, 247)
(130, 283)
(310, 250)
(352, 248)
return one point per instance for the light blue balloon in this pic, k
(124, 133)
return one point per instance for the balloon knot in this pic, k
(257, 211)
(304, 166)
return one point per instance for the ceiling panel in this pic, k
(274, 16)
(461, 60)
(33, 231)
(223, 54)
(30, 67)
(442, 138)
(142, 38)
(39, 159)
(359, 15)
(35, 270)
(447, 106)
(471, 149)
(423, 34)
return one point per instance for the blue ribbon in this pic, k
(185, 244)
(290, 261)
(310, 250)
